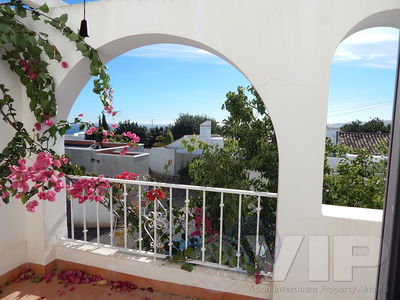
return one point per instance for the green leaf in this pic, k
(53, 130)
(187, 267)
(44, 8)
(21, 12)
(6, 200)
(63, 18)
(8, 10)
(35, 16)
(4, 27)
(63, 130)
(24, 197)
(5, 20)
(48, 48)
(73, 36)
(36, 279)
(32, 105)
(81, 46)
(189, 252)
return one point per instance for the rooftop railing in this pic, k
(216, 227)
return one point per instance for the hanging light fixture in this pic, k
(83, 31)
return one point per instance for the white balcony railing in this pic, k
(183, 219)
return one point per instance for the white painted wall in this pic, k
(109, 165)
(332, 134)
(285, 49)
(13, 245)
(159, 157)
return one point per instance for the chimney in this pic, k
(205, 130)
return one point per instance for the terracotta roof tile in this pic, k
(361, 140)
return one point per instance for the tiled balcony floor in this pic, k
(26, 290)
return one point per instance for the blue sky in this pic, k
(363, 74)
(157, 82)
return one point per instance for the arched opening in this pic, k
(228, 218)
(362, 87)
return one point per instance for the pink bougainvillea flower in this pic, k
(132, 136)
(92, 189)
(91, 130)
(49, 123)
(31, 206)
(32, 76)
(43, 161)
(198, 221)
(124, 151)
(41, 176)
(104, 141)
(57, 163)
(4, 194)
(105, 133)
(64, 64)
(115, 126)
(258, 277)
(47, 195)
(38, 126)
(24, 64)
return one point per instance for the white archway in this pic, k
(285, 49)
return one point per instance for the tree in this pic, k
(249, 145)
(354, 126)
(153, 134)
(163, 140)
(188, 124)
(373, 126)
(225, 167)
(249, 123)
(104, 124)
(134, 127)
(358, 182)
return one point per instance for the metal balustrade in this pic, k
(161, 222)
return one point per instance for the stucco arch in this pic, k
(385, 18)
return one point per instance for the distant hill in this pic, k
(338, 125)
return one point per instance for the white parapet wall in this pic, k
(107, 164)
(159, 157)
